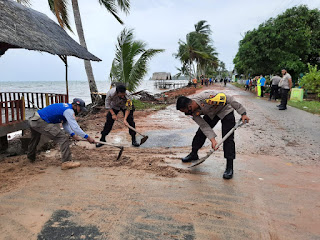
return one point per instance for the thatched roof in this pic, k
(22, 27)
(161, 76)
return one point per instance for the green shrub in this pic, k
(311, 81)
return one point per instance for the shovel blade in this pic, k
(120, 153)
(143, 140)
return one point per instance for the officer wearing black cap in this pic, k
(47, 122)
(119, 99)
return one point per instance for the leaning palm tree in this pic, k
(59, 9)
(131, 59)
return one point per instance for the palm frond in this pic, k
(130, 63)
(139, 69)
(124, 5)
(60, 9)
(111, 7)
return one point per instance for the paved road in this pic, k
(274, 194)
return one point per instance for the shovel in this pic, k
(111, 145)
(144, 137)
(201, 160)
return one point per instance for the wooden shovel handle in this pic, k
(130, 127)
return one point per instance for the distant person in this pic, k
(47, 122)
(118, 99)
(274, 87)
(254, 84)
(247, 84)
(250, 84)
(212, 113)
(210, 81)
(206, 82)
(225, 81)
(258, 86)
(285, 85)
(195, 81)
(263, 84)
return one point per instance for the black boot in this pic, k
(101, 140)
(192, 156)
(228, 174)
(134, 142)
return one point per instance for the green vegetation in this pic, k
(60, 9)
(291, 40)
(139, 105)
(130, 63)
(238, 85)
(309, 106)
(311, 81)
(197, 54)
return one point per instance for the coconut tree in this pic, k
(59, 8)
(131, 59)
(198, 49)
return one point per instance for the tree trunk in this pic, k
(87, 64)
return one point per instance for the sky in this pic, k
(160, 23)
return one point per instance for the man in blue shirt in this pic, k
(47, 122)
(263, 84)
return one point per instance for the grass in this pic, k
(139, 105)
(238, 85)
(309, 106)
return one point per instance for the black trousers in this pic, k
(109, 123)
(262, 90)
(284, 97)
(274, 92)
(228, 123)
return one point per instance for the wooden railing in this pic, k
(13, 104)
(14, 111)
(39, 100)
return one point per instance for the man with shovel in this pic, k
(47, 122)
(214, 106)
(119, 99)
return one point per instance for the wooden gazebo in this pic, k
(23, 27)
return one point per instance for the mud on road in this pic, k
(150, 194)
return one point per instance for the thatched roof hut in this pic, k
(161, 76)
(23, 27)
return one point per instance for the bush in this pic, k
(311, 81)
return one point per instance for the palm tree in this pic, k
(198, 49)
(131, 59)
(59, 8)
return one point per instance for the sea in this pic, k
(77, 89)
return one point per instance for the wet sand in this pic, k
(150, 194)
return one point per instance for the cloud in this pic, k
(159, 23)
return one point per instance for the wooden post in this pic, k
(64, 58)
(17, 106)
(1, 113)
(12, 110)
(6, 112)
(23, 109)
(47, 99)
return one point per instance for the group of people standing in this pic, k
(279, 87)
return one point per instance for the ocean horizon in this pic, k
(77, 89)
